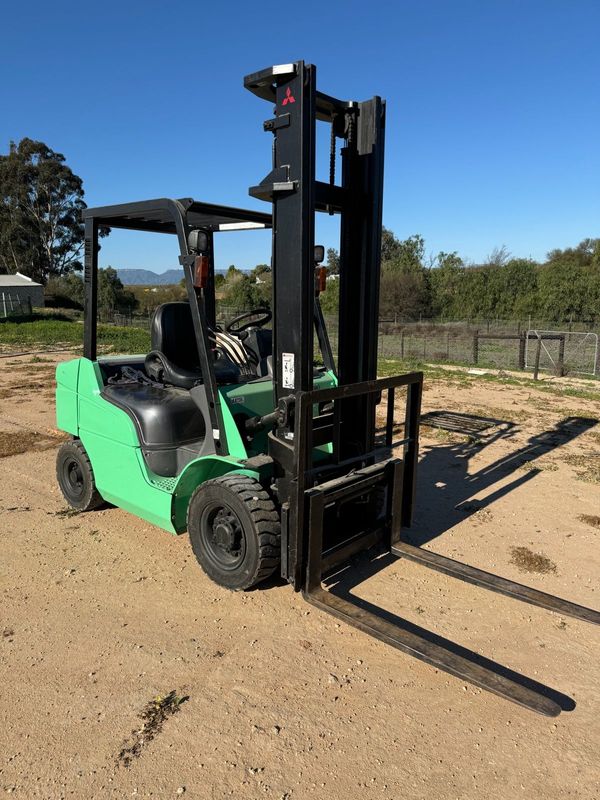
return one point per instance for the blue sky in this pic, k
(493, 125)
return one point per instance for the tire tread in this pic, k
(265, 520)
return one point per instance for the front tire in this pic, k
(234, 531)
(76, 477)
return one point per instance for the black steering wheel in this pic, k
(264, 315)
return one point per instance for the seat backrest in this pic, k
(172, 333)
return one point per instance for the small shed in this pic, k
(18, 292)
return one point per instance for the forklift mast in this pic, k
(349, 423)
(296, 196)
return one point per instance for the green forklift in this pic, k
(252, 437)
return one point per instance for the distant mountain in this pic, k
(145, 277)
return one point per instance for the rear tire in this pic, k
(234, 531)
(76, 477)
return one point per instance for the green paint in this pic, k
(67, 376)
(248, 400)
(111, 440)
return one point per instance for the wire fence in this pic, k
(570, 346)
(13, 305)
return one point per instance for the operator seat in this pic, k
(174, 358)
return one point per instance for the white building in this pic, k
(17, 292)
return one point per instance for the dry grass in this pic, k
(40, 370)
(527, 561)
(499, 414)
(14, 389)
(23, 441)
(450, 437)
(153, 717)
(589, 464)
(590, 519)
(536, 465)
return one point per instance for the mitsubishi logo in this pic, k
(289, 97)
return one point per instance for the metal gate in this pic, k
(562, 352)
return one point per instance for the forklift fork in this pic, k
(397, 475)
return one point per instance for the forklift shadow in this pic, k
(342, 582)
(444, 491)
(445, 487)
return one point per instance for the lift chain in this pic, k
(332, 153)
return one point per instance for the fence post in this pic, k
(560, 367)
(12, 308)
(4, 303)
(447, 347)
(476, 347)
(538, 352)
(402, 343)
(522, 341)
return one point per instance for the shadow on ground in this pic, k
(444, 484)
(444, 489)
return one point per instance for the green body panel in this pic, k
(111, 441)
(248, 400)
(256, 399)
(97, 415)
(67, 377)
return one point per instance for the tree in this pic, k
(66, 291)
(41, 200)
(569, 282)
(233, 273)
(244, 294)
(405, 256)
(446, 283)
(390, 244)
(333, 261)
(260, 272)
(112, 295)
(498, 257)
(330, 298)
(405, 283)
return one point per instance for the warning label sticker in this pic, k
(288, 369)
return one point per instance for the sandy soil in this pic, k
(101, 612)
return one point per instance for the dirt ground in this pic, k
(102, 613)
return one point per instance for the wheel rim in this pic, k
(223, 536)
(73, 476)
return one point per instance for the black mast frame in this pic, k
(296, 196)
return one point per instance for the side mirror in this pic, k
(197, 241)
(319, 253)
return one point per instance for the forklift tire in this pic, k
(76, 477)
(234, 531)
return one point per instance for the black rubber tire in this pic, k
(76, 477)
(249, 507)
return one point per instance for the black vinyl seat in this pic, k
(174, 358)
(163, 417)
